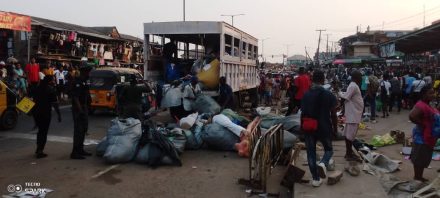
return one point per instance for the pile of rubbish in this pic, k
(394, 137)
(147, 143)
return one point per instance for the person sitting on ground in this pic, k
(423, 140)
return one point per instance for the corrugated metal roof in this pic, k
(61, 26)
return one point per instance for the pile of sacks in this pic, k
(128, 140)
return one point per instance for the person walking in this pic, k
(417, 86)
(423, 139)
(319, 104)
(45, 98)
(385, 87)
(60, 80)
(32, 71)
(21, 80)
(302, 83)
(370, 97)
(396, 94)
(353, 109)
(80, 103)
(226, 98)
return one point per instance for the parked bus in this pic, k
(186, 42)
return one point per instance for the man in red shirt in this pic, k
(32, 71)
(302, 83)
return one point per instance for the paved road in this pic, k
(203, 174)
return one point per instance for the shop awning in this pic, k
(14, 21)
(419, 41)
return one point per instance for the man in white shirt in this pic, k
(354, 106)
(60, 82)
(417, 86)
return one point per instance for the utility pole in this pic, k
(184, 10)
(319, 43)
(262, 48)
(232, 16)
(287, 51)
(424, 16)
(326, 50)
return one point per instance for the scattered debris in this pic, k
(352, 168)
(334, 177)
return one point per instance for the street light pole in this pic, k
(184, 10)
(262, 48)
(232, 17)
(287, 52)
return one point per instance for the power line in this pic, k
(406, 18)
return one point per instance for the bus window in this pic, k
(236, 47)
(244, 49)
(255, 52)
(250, 52)
(228, 45)
(192, 51)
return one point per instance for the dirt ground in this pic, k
(203, 174)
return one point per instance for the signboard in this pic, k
(15, 22)
(25, 105)
(388, 50)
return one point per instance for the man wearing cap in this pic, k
(190, 93)
(80, 103)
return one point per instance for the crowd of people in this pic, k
(47, 86)
(24, 80)
(320, 96)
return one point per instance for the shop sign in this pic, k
(15, 22)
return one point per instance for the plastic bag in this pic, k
(218, 137)
(205, 104)
(101, 147)
(194, 138)
(289, 122)
(122, 137)
(209, 75)
(379, 141)
(235, 117)
(172, 97)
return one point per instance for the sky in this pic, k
(288, 24)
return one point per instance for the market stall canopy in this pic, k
(347, 61)
(14, 21)
(419, 41)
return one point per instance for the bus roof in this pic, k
(189, 27)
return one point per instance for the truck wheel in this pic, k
(9, 119)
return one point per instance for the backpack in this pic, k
(374, 83)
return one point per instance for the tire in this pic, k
(9, 119)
